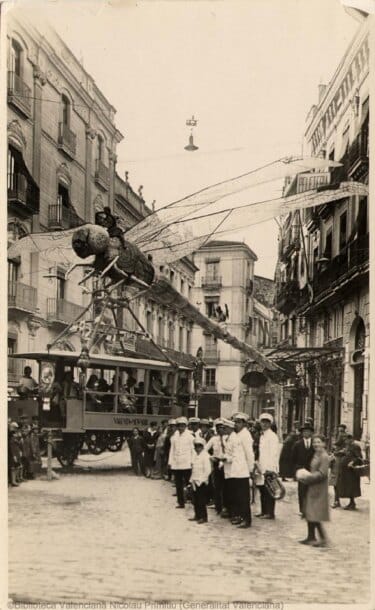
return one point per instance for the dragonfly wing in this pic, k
(185, 236)
(210, 197)
(54, 247)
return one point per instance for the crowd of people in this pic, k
(221, 464)
(24, 459)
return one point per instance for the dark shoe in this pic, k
(350, 507)
(320, 544)
(260, 515)
(224, 515)
(200, 521)
(236, 520)
(244, 525)
(179, 506)
(192, 519)
(308, 541)
(336, 504)
(269, 516)
(15, 484)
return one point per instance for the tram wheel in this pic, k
(68, 451)
(115, 442)
(95, 444)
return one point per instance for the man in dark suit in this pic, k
(301, 457)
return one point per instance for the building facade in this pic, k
(62, 142)
(224, 291)
(322, 272)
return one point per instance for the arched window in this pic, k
(65, 110)
(100, 148)
(16, 58)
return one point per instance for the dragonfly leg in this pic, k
(108, 267)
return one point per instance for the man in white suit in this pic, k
(181, 457)
(268, 461)
(243, 484)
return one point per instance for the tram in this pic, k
(100, 405)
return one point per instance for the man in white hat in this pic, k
(235, 471)
(181, 456)
(268, 461)
(193, 426)
(243, 485)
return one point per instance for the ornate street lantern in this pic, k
(254, 376)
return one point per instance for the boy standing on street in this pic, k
(200, 474)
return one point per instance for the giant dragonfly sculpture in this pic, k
(126, 264)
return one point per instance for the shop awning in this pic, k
(294, 355)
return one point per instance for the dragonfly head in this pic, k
(90, 239)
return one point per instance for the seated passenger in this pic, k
(27, 385)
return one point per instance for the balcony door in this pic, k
(212, 269)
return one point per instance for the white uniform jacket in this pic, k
(217, 445)
(246, 441)
(182, 452)
(269, 449)
(201, 468)
(235, 465)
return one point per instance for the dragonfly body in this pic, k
(127, 257)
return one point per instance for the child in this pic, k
(199, 480)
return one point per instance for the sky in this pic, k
(248, 71)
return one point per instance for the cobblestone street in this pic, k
(104, 534)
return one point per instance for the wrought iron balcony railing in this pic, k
(19, 94)
(21, 296)
(61, 310)
(23, 193)
(211, 282)
(62, 217)
(211, 356)
(67, 139)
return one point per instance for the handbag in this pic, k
(361, 467)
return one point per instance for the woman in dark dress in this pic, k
(348, 481)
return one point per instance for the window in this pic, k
(100, 148)
(16, 58)
(331, 155)
(172, 276)
(211, 308)
(60, 288)
(13, 269)
(328, 246)
(63, 198)
(12, 346)
(362, 216)
(182, 286)
(65, 110)
(210, 377)
(149, 322)
(181, 338)
(188, 341)
(326, 327)
(343, 229)
(212, 270)
(171, 335)
(161, 330)
(210, 343)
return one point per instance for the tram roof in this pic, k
(97, 360)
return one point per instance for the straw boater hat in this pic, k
(266, 416)
(181, 420)
(241, 416)
(228, 423)
(194, 420)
